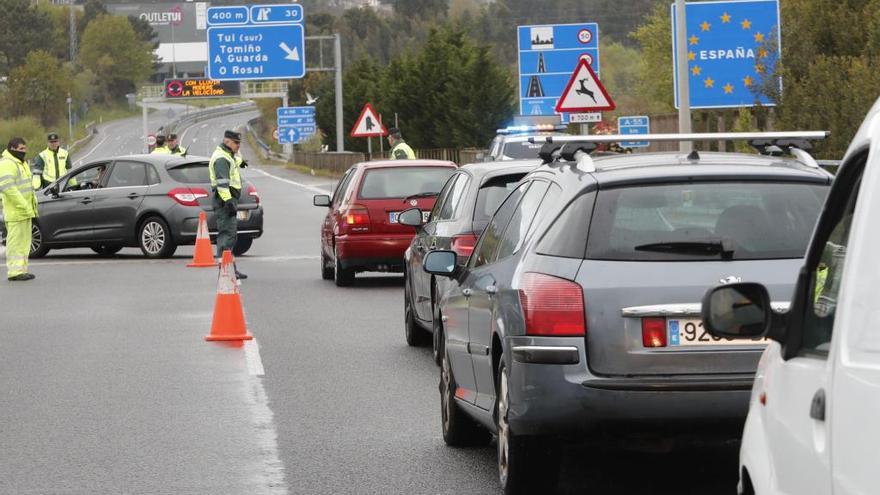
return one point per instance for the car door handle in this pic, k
(491, 289)
(133, 195)
(467, 292)
(85, 201)
(817, 406)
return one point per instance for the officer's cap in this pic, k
(172, 137)
(235, 136)
(394, 131)
(53, 136)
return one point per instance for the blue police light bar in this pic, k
(525, 129)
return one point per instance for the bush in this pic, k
(27, 128)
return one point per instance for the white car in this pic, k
(814, 418)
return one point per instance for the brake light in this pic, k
(463, 245)
(654, 332)
(552, 306)
(188, 196)
(357, 218)
(252, 191)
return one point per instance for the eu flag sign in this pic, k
(732, 48)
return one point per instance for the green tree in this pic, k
(39, 87)
(421, 8)
(22, 30)
(655, 77)
(113, 52)
(620, 76)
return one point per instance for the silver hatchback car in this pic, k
(579, 308)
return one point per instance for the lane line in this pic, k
(263, 259)
(252, 357)
(94, 149)
(293, 183)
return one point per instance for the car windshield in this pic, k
(191, 173)
(704, 221)
(492, 193)
(402, 182)
(521, 150)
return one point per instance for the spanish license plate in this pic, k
(392, 216)
(688, 332)
(243, 214)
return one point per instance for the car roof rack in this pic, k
(795, 143)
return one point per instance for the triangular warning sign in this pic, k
(368, 124)
(584, 92)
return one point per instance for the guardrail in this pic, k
(264, 149)
(210, 113)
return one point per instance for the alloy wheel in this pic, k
(503, 428)
(36, 238)
(446, 400)
(153, 237)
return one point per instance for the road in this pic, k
(109, 387)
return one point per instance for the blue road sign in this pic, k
(273, 51)
(295, 111)
(634, 125)
(732, 47)
(295, 134)
(548, 55)
(263, 14)
(224, 16)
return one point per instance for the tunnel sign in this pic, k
(267, 42)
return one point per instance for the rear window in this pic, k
(400, 182)
(492, 193)
(704, 221)
(521, 150)
(191, 173)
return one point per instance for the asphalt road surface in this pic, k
(107, 385)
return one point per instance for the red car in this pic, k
(361, 232)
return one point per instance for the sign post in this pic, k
(634, 125)
(295, 124)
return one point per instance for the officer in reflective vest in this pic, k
(174, 147)
(161, 148)
(224, 169)
(19, 208)
(399, 149)
(51, 163)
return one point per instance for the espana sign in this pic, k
(200, 88)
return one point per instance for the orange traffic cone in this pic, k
(228, 316)
(203, 256)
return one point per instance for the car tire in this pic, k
(526, 464)
(416, 336)
(242, 245)
(38, 247)
(106, 249)
(459, 429)
(327, 270)
(154, 238)
(438, 336)
(343, 277)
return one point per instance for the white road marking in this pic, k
(264, 259)
(294, 183)
(252, 357)
(204, 125)
(82, 158)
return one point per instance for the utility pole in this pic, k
(337, 62)
(72, 32)
(684, 92)
(69, 120)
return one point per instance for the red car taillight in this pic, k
(356, 218)
(252, 191)
(654, 332)
(552, 306)
(463, 245)
(188, 196)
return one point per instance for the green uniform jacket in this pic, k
(225, 173)
(161, 150)
(16, 189)
(402, 152)
(49, 165)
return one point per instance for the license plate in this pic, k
(690, 332)
(392, 216)
(243, 215)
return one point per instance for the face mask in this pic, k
(18, 154)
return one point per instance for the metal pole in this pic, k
(72, 32)
(288, 148)
(146, 130)
(337, 61)
(173, 53)
(381, 140)
(369, 148)
(684, 92)
(69, 120)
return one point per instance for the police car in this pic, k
(521, 142)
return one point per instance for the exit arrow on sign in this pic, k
(292, 54)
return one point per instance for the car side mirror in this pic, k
(52, 191)
(321, 200)
(442, 263)
(480, 156)
(411, 218)
(740, 310)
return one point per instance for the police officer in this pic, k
(19, 208)
(399, 149)
(161, 148)
(51, 163)
(174, 147)
(224, 169)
